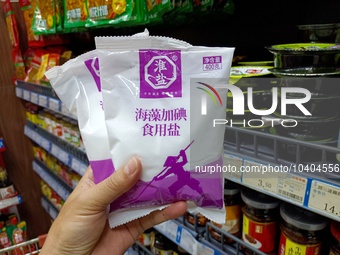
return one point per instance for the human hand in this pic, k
(82, 228)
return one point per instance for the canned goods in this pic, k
(260, 223)
(335, 239)
(301, 231)
(232, 201)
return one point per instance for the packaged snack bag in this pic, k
(11, 23)
(28, 10)
(105, 12)
(19, 64)
(44, 21)
(75, 13)
(153, 99)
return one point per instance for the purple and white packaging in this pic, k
(77, 84)
(153, 107)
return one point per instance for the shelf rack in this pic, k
(41, 95)
(65, 152)
(312, 185)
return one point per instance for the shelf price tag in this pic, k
(325, 197)
(292, 187)
(26, 95)
(254, 175)
(45, 144)
(64, 157)
(34, 98)
(43, 101)
(55, 150)
(19, 92)
(54, 104)
(233, 165)
(78, 166)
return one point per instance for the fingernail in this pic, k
(131, 166)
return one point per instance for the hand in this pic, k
(81, 226)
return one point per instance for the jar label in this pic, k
(233, 219)
(261, 236)
(157, 251)
(7, 192)
(288, 247)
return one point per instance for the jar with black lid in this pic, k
(232, 202)
(260, 221)
(335, 238)
(161, 245)
(301, 231)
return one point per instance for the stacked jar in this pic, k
(301, 231)
(309, 98)
(233, 204)
(260, 221)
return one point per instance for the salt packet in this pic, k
(77, 84)
(160, 105)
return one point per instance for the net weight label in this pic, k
(325, 197)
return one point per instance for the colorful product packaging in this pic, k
(11, 23)
(75, 13)
(105, 12)
(44, 21)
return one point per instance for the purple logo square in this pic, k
(160, 73)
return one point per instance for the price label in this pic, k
(325, 197)
(19, 92)
(34, 98)
(64, 157)
(254, 176)
(232, 165)
(78, 166)
(54, 104)
(26, 95)
(27, 131)
(45, 144)
(55, 150)
(43, 101)
(292, 187)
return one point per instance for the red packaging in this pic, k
(11, 23)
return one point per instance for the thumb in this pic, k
(116, 184)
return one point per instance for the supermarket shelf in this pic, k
(184, 237)
(138, 249)
(54, 181)
(49, 207)
(41, 95)
(313, 186)
(201, 243)
(62, 150)
(13, 201)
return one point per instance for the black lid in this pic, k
(230, 188)
(258, 200)
(302, 218)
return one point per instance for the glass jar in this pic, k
(201, 220)
(232, 202)
(161, 245)
(145, 238)
(301, 231)
(335, 238)
(260, 221)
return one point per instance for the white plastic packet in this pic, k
(156, 102)
(77, 84)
